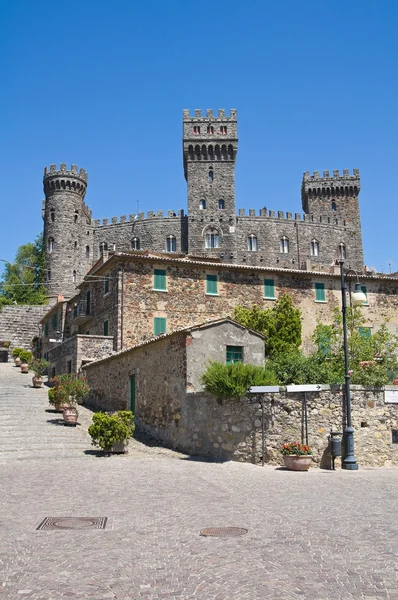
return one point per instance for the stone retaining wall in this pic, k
(20, 324)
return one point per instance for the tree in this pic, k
(22, 281)
(280, 324)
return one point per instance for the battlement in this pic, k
(52, 171)
(198, 117)
(151, 215)
(335, 177)
(280, 215)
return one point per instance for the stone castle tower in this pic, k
(68, 235)
(210, 145)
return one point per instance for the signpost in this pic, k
(311, 387)
(263, 389)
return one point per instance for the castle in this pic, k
(211, 229)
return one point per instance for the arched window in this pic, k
(202, 204)
(103, 247)
(76, 215)
(52, 216)
(211, 175)
(252, 245)
(314, 248)
(342, 251)
(135, 243)
(74, 277)
(171, 243)
(221, 203)
(223, 129)
(210, 129)
(334, 206)
(284, 245)
(50, 244)
(212, 240)
(87, 251)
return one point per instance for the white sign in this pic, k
(391, 396)
(262, 389)
(304, 388)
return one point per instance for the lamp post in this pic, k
(358, 297)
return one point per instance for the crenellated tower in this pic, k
(210, 145)
(68, 234)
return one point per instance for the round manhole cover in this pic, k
(223, 531)
(73, 523)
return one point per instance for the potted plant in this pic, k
(38, 366)
(111, 432)
(296, 456)
(58, 394)
(76, 390)
(26, 357)
(15, 354)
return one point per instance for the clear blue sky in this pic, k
(103, 85)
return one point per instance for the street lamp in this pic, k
(358, 297)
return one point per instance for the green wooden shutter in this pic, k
(159, 325)
(46, 328)
(55, 320)
(363, 288)
(269, 288)
(159, 279)
(211, 284)
(320, 292)
(106, 328)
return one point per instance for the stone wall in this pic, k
(20, 324)
(76, 351)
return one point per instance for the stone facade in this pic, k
(20, 325)
(212, 228)
(72, 355)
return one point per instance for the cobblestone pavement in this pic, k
(318, 535)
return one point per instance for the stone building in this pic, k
(211, 228)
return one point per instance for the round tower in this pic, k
(67, 229)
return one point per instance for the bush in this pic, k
(51, 395)
(25, 356)
(38, 366)
(233, 381)
(16, 352)
(70, 389)
(107, 430)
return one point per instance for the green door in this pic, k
(132, 393)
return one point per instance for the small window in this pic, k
(234, 354)
(52, 216)
(106, 283)
(202, 204)
(106, 328)
(210, 129)
(135, 243)
(75, 245)
(69, 366)
(159, 325)
(365, 332)
(74, 276)
(50, 244)
(334, 206)
(252, 245)
(196, 130)
(49, 275)
(46, 328)
(76, 216)
(171, 244)
(363, 288)
(88, 302)
(320, 295)
(269, 289)
(314, 248)
(212, 240)
(342, 251)
(55, 320)
(159, 279)
(87, 251)
(212, 285)
(211, 175)
(223, 129)
(221, 204)
(284, 245)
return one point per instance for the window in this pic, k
(135, 243)
(284, 245)
(252, 243)
(210, 129)
(334, 206)
(52, 216)
(159, 325)
(50, 244)
(49, 275)
(159, 279)
(269, 288)
(75, 245)
(46, 328)
(314, 248)
(212, 284)
(106, 328)
(55, 320)
(74, 276)
(87, 251)
(88, 303)
(212, 240)
(223, 129)
(196, 130)
(103, 247)
(171, 244)
(320, 292)
(106, 283)
(363, 288)
(202, 204)
(342, 251)
(221, 204)
(211, 175)
(365, 332)
(234, 354)
(69, 366)
(76, 216)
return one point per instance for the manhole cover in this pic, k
(223, 531)
(73, 523)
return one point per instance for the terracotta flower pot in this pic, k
(37, 382)
(17, 361)
(24, 368)
(293, 462)
(59, 406)
(70, 415)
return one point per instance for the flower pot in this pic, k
(37, 382)
(119, 448)
(295, 462)
(24, 368)
(17, 361)
(70, 415)
(59, 406)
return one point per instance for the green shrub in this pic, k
(107, 430)
(51, 395)
(38, 366)
(17, 351)
(25, 356)
(233, 381)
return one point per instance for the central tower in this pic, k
(210, 145)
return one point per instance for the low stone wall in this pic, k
(20, 324)
(77, 350)
(233, 429)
